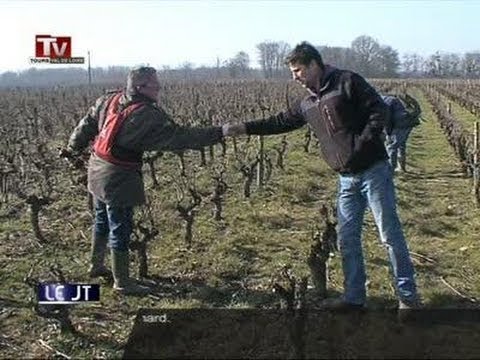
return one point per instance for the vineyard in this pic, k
(222, 225)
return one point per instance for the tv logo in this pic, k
(54, 50)
(53, 47)
(68, 293)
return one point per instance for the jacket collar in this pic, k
(324, 80)
(327, 74)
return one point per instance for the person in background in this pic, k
(404, 116)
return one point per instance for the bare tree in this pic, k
(433, 65)
(267, 57)
(388, 62)
(471, 65)
(367, 51)
(239, 65)
(340, 57)
(412, 65)
(271, 57)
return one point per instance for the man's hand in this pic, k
(65, 153)
(234, 130)
(72, 157)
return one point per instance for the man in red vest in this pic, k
(122, 125)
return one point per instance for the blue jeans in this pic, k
(374, 187)
(396, 145)
(114, 222)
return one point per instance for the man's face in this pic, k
(151, 88)
(307, 75)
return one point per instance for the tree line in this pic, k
(374, 60)
(365, 56)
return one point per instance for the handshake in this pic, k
(234, 130)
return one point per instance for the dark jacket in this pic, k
(146, 129)
(399, 116)
(347, 117)
(396, 113)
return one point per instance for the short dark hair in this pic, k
(303, 54)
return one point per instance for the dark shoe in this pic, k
(407, 310)
(102, 271)
(339, 304)
(409, 305)
(131, 287)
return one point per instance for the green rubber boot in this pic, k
(97, 258)
(121, 275)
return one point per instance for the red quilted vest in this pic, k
(112, 123)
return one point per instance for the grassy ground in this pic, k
(232, 265)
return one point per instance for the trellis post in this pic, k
(475, 165)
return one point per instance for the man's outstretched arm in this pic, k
(283, 122)
(164, 134)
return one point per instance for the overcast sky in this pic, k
(173, 32)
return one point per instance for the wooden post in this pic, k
(89, 76)
(35, 121)
(261, 162)
(475, 165)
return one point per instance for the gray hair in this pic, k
(139, 76)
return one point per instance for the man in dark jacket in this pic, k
(122, 125)
(348, 117)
